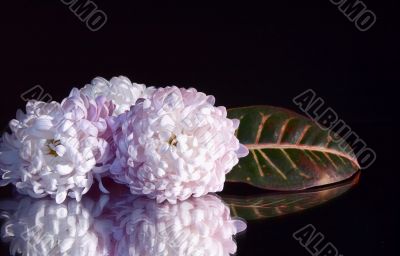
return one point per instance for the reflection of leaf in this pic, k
(288, 151)
(283, 203)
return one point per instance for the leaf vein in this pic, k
(272, 164)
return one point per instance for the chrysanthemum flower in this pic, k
(120, 90)
(198, 226)
(56, 149)
(175, 144)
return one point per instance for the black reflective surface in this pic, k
(124, 224)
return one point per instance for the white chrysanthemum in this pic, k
(55, 149)
(120, 90)
(175, 144)
(42, 227)
(197, 227)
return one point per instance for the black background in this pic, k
(243, 54)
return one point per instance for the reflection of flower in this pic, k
(42, 227)
(120, 90)
(198, 226)
(174, 144)
(129, 226)
(54, 149)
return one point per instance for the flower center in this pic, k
(51, 145)
(172, 140)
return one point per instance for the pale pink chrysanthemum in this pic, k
(175, 144)
(120, 90)
(56, 149)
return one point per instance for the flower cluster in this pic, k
(167, 143)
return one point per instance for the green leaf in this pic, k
(283, 203)
(288, 151)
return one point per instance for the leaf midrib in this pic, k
(302, 147)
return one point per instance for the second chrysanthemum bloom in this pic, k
(175, 144)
